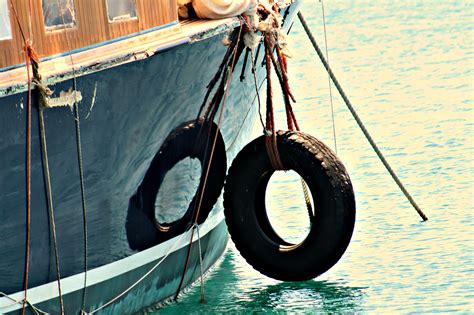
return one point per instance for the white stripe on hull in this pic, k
(74, 283)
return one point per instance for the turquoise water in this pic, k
(408, 69)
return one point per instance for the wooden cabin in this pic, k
(60, 26)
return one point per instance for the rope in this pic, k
(274, 39)
(203, 299)
(329, 79)
(244, 65)
(44, 92)
(77, 122)
(33, 60)
(222, 93)
(357, 118)
(283, 79)
(270, 139)
(307, 200)
(257, 89)
(49, 198)
(30, 27)
(34, 308)
(83, 194)
(28, 184)
(216, 77)
(29, 54)
(114, 299)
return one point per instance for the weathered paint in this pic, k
(136, 103)
(65, 98)
(135, 106)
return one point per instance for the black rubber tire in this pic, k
(247, 220)
(192, 139)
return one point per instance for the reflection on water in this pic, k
(284, 199)
(227, 291)
(408, 68)
(330, 297)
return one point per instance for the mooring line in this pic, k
(77, 123)
(226, 80)
(28, 56)
(203, 298)
(357, 118)
(35, 309)
(329, 78)
(171, 249)
(49, 198)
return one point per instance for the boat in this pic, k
(101, 151)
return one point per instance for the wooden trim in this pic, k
(112, 54)
(92, 27)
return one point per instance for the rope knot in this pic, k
(31, 53)
(43, 89)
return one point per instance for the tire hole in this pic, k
(286, 207)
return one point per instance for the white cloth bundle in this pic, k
(218, 9)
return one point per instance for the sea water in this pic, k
(407, 67)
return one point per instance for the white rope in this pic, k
(203, 298)
(329, 79)
(34, 308)
(10, 298)
(171, 249)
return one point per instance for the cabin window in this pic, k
(121, 10)
(5, 27)
(58, 14)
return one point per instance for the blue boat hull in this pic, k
(126, 113)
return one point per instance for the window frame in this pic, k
(121, 18)
(9, 36)
(60, 27)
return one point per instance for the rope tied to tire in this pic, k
(274, 40)
(321, 172)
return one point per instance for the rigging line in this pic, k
(216, 78)
(329, 79)
(145, 275)
(79, 159)
(14, 301)
(237, 134)
(280, 70)
(30, 27)
(28, 53)
(257, 96)
(206, 175)
(83, 194)
(224, 101)
(28, 183)
(357, 118)
(18, 21)
(49, 198)
(203, 299)
(256, 87)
